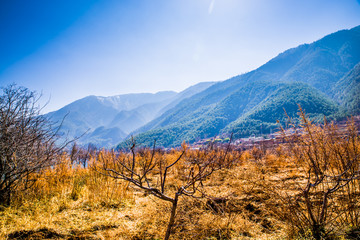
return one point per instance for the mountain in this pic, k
(105, 121)
(347, 91)
(286, 96)
(104, 137)
(309, 75)
(88, 117)
(190, 91)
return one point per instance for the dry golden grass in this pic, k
(72, 202)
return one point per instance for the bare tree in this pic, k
(150, 173)
(80, 155)
(27, 140)
(329, 158)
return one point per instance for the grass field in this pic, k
(259, 196)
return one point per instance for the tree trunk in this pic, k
(5, 197)
(172, 217)
(318, 231)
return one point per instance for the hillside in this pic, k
(263, 118)
(253, 109)
(347, 91)
(244, 101)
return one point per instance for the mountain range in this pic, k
(322, 77)
(105, 121)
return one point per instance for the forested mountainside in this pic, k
(347, 91)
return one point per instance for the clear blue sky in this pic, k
(69, 49)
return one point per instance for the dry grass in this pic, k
(71, 202)
(76, 203)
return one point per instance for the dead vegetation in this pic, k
(307, 188)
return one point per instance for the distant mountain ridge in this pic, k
(105, 121)
(317, 76)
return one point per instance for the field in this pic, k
(305, 188)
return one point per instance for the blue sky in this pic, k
(70, 49)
